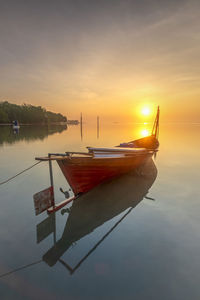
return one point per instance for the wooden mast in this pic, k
(155, 130)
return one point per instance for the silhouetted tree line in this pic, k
(28, 114)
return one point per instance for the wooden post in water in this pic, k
(97, 126)
(51, 177)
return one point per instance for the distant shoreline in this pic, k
(35, 124)
(75, 122)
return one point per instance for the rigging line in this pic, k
(3, 182)
(21, 268)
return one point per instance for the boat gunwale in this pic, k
(69, 155)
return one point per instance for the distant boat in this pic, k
(16, 124)
(72, 122)
(85, 170)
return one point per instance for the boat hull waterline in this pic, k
(84, 173)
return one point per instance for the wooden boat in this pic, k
(85, 170)
(100, 205)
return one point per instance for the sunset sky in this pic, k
(105, 57)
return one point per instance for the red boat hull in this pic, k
(84, 173)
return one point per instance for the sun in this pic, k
(146, 111)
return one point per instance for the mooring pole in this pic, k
(51, 176)
(81, 124)
(97, 126)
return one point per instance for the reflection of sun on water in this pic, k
(144, 132)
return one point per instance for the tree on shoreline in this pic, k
(28, 114)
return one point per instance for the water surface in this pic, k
(113, 243)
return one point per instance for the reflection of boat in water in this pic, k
(16, 130)
(99, 205)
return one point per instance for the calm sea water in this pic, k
(114, 243)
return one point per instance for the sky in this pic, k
(105, 57)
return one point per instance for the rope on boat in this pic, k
(7, 180)
(21, 268)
